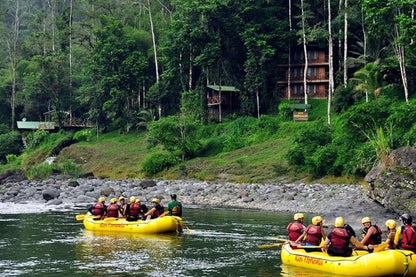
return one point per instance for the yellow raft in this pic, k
(163, 224)
(361, 263)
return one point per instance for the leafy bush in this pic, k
(83, 135)
(10, 143)
(157, 162)
(285, 112)
(4, 128)
(41, 171)
(363, 117)
(34, 139)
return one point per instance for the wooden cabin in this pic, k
(222, 101)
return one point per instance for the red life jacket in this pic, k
(98, 208)
(112, 210)
(340, 239)
(314, 234)
(374, 238)
(408, 237)
(134, 209)
(295, 229)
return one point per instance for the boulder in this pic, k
(49, 194)
(395, 186)
(147, 184)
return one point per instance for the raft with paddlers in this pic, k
(361, 263)
(164, 224)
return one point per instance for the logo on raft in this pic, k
(309, 260)
(104, 225)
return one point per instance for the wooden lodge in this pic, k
(317, 75)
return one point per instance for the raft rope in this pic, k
(407, 262)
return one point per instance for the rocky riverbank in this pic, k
(350, 201)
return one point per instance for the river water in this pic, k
(219, 242)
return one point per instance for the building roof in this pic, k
(36, 125)
(223, 88)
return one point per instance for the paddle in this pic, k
(187, 228)
(82, 216)
(280, 239)
(270, 245)
(381, 247)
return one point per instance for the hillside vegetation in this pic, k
(243, 149)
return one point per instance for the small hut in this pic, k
(222, 100)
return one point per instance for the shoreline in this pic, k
(329, 201)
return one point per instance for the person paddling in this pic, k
(156, 211)
(296, 227)
(133, 209)
(98, 208)
(338, 240)
(371, 233)
(391, 229)
(313, 234)
(405, 237)
(174, 206)
(113, 209)
(123, 206)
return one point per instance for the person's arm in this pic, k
(359, 244)
(300, 238)
(324, 247)
(323, 231)
(151, 211)
(367, 236)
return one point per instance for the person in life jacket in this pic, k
(98, 208)
(156, 211)
(296, 227)
(174, 206)
(113, 209)
(405, 237)
(371, 233)
(313, 234)
(338, 240)
(133, 209)
(391, 229)
(123, 206)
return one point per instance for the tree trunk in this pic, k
(364, 46)
(345, 42)
(289, 71)
(305, 53)
(340, 40)
(155, 54)
(12, 49)
(258, 102)
(70, 61)
(330, 63)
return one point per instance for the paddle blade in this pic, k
(381, 247)
(80, 216)
(280, 239)
(270, 245)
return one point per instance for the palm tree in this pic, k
(367, 80)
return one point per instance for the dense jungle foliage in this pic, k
(140, 69)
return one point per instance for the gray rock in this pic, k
(49, 194)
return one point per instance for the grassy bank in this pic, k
(259, 157)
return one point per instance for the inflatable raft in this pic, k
(361, 263)
(163, 224)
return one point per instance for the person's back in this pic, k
(133, 210)
(340, 240)
(113, 209)
(174, 206)
(98, 208)
(296, 227)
